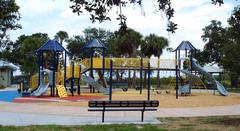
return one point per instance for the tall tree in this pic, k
(154, 45)
(159, 43)
(223, 45)
(9, 16)
(128, 43)
(77, 42)
(146, 49)
(231, 49)
(61, 36)
(100, 33)
(99, 10)
(22, 52)
(215, 36)
(74, 46)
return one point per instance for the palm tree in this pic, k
(157, 44)
(147, 51)
(128, 43)
(61, 36)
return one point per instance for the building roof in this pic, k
(95, 43)
(212, 69)
(185, 45)
(51, 45)
(7, 65)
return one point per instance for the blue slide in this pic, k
(42, 89)
(95, 84)
(209, 77)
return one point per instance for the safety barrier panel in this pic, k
(129, 62)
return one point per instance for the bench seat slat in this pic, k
(124, 109)
(117, 106)
(152, 103)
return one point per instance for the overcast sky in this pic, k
(50, 16)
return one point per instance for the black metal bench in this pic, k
(118, 105)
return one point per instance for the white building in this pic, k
(6, 73)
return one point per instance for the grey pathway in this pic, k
(28, 114)
(23, 119)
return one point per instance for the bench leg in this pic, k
(142, 115)
(103, 116)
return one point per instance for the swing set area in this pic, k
(97, 73)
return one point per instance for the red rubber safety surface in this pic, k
(77, 98)
(32, 99)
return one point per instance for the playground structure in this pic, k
(74, 72)
(58, 74)
(191, 68)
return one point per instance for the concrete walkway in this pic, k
(29, 114)
(23, 119)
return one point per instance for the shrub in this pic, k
(2, 87)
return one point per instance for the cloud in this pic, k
(39, 7)
(50, 16)
(180, 5)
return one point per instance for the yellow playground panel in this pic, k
(129, 62)
(34, 81)
(117, 62)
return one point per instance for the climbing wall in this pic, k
(61, 91)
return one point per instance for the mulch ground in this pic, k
(167, 99)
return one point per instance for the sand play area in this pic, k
(167, 99)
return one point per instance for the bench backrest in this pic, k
(132, 103)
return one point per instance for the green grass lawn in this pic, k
(218, 123)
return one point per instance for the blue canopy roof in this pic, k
(95, 43)
(185, 45)
(51, 45)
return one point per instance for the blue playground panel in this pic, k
(8, 96)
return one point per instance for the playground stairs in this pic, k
(61, 91)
